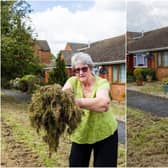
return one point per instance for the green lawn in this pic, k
(154, 88)
(119, 110)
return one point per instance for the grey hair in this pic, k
(81, 58)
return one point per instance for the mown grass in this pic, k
(154, 88)
(119, 110)
(147, 139)
(15, 114)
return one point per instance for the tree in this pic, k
(16, 36)
(59, 74)
(52, 56)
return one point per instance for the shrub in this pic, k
(15, 83)
(130, 72)
(165, 81)
(149, 71)
(29, 83)
(58, 74)
(130, 78)
(138, 73)
(5, 83)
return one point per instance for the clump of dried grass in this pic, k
(54, 111)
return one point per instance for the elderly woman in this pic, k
(98, 128)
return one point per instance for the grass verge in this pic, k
(147, 139)
(153, 88)
(119, 110)
(15, 115)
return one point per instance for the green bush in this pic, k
(5, 83)
(29, 83)
(14, 83)
(138, 73)
(130, 78)
(165, 81)
(149, 71)
(130, 72)
(59, 74)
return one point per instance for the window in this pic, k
(140, 60)
(159, 59)
(115, 69)
(96, 70)
(119, 75)
(163, 58)
(122, 73)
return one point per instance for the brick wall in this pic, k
(44, 56)
(70, 72)
(161, 72)
(67, 47)
(118, 92)
(117, 89)
(46, 78)
(130, 62)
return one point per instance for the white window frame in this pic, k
(116, 73)
(144, 60)
(161, 57)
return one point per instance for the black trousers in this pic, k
(105, 153)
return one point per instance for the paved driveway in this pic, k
(148, 103)
(17, 95)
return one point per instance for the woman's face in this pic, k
(82, 72)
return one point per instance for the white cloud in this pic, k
(111, 4)
(146, 15)
(59, 25)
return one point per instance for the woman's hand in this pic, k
(99, 104)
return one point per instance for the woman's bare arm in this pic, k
(99, 104)
(67, 86)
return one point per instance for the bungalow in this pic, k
(109, 59)
(148, 50)
(42, 50)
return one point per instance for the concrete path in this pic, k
(121, 132)
(148, 103)
(17, 95)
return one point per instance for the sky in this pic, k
(146, 15)
(80, 21)
(87, 21)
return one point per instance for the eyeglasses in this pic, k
(83, 69)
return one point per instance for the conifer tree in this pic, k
(59, 74)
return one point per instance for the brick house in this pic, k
(75, 46)
(148, 50)
(42, 50)
(109, 58)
